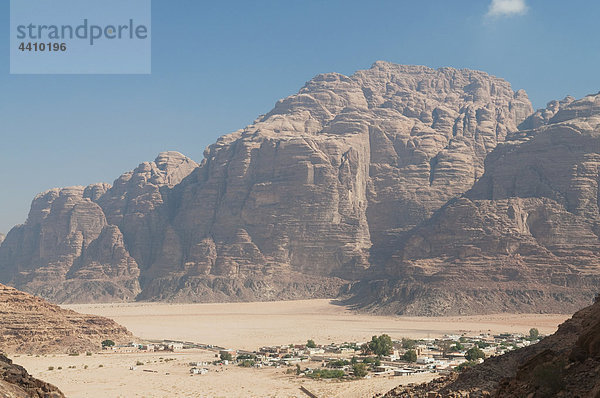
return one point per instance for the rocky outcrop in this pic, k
(526, 234)
(564, 364)
(318, 190)
(15, 382)
(30, 325)
(2, 237)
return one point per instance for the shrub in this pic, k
(139, 363)
(381, 345)
(89, 354)
(474, 353)
(108, 343)
(338, 363)
(410, 356)
(359, 370)
(100, 366)
(409, 344)
(311, 344)
(60, 368)
(326, 374)
(226, 356)
(73, 354)
(465, 365)
(85, 366)
(534, 334)
(50, 367)
(247, 363)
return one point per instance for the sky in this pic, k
(217, 65)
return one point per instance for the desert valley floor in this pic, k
(246, 326)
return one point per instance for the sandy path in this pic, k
(251, 325)
(172, 379)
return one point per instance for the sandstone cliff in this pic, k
(15, 382)
(29, 325)
(312, 194)
(526, 234)
(564, 364)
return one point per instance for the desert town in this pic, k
(382, 356)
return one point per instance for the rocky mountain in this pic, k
(313, 194)
(29, 324)
(2, 238)
(564, 364)
(526, 233)
(15, 382)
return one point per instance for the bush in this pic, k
(50, 367)
(85, 366)
(338, 363)
(108, 343)
(381, 345)
(100, 366)
(326, 374)
(410, 356)
(73, 354)
(534, 334)
(311, 344)
(139, 363)
(408, 344)
(226, 356)
(474, 353)
(60, 368)
(89, 354)
(359, 370)
(247, 363)
(465, 365)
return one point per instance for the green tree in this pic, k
(409, 344)
(354, 360)
(226, 356)
(474, 353)
(381, 345)
(534, 334)
(410, 356)
(311, 344)
(444, 346)
(108, 343)
(359, 370)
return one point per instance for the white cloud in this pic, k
(503, 8)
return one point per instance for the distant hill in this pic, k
(408, 189)
(31, 325)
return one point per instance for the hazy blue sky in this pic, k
(218, 65)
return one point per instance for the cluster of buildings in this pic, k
(428, 355)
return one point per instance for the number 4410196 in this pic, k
(43, 47)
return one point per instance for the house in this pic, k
(198, 371)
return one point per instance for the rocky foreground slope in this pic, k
(15, 382)
(31, 325)
(565, 364)
(308, 197)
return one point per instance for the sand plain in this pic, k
(247, 326)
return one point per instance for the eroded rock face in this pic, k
(15, 382)
(31, 325)
(526, 234)
(320, 189)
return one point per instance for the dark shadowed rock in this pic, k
(15, 382)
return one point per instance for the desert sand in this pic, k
(249, 326)
(246, 326)
(172, 378)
